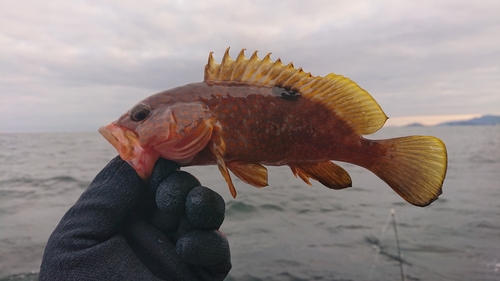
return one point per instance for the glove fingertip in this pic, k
(163, 169)
(205, 208)
(204, 248)
(172, 192)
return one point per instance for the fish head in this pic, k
(175, 131)
(134, 134)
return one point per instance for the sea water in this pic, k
(288, 230)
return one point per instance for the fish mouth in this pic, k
(127, 143)
(123, 140)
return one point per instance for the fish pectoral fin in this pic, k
(225, 173)
(329, 174)
(218, 148)
(253, 174)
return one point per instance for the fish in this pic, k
(252, 112)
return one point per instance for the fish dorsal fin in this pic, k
(342, 96)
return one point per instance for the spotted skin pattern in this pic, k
(266, 125)
(271, 130)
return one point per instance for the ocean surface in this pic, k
(287, 231)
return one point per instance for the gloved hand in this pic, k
(122, 229)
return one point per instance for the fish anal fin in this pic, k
(297, 172)
(342, 96)
(327, 173)
(253, 174)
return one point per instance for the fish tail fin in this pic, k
(414, 167)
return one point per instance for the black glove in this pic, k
(115, 231)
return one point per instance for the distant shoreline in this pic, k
(484, 120)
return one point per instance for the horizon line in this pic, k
(401, 121)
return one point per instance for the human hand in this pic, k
(121, 229)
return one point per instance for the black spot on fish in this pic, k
(286, 94)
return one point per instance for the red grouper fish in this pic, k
(253, 112)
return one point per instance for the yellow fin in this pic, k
(342, 96)
(218, 148)
(253, 174)
(414, 167)
(327, 173)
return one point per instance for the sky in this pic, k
(78, 65)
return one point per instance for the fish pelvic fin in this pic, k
(327, 173)
(339, 94)
(250, 173)
(414, 167)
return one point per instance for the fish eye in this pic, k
(140, 112)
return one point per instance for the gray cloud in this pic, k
(78, 65)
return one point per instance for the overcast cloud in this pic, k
(77, 65)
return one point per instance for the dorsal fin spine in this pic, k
(285, 74)
(278, 74)
(260, 69)
(294, 78)
(226, 58)
(250, 67)
(276, 71)
(228, 62)
(241, 56)
(210, 65)
(254, 56)
(266, 70)
(266, 66)
(303, 81)
(239, 65)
